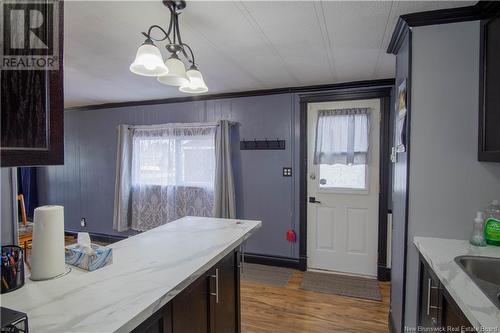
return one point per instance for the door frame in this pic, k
(383, 93)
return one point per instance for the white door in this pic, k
(342, 225)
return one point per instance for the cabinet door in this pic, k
(489, 111)
(190, 309)
(453, 319)
(160, 322)
(224, 300)
(429, 298)
(32, 85)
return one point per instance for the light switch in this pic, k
(287, 172)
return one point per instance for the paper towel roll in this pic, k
(47, 254)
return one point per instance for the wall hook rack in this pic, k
(262, 144)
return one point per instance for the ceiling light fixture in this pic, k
(148, 60)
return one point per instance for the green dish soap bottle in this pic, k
(492, 223)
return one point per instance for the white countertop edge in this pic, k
(163, 300)
(485, 316)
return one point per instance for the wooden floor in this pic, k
(268, 309)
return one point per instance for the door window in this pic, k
(341, 176)
(341, 148)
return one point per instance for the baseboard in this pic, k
(95, 236)
(383, 274)
(272, 260)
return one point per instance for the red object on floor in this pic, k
(291, 236)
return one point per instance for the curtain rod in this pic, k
(179, 125)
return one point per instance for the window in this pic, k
(174, 161)
(193, 152)
(343, 176)
(341, 149)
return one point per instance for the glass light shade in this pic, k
(176, 75)
(148, 61)
(196, 83)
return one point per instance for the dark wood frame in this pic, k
(384, 94)
(483, 154)
(54, 154)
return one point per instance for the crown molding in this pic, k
(301, 89)
(479, 11)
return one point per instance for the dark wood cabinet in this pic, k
(160, 322)
(224, 302)
(211, 304)
(489, 98)
(429, 298)
(32, 87)
(191, 308)
(437, 311)
(452, 317)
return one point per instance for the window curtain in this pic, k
(121, 211)
(342, 136)
(27, 186)
(165, 172)
(225, 199)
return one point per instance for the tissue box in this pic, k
(76, 256)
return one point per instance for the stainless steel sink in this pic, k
(485, 272)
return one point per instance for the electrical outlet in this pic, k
(83, 222)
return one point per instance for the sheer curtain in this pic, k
(342, 136)
(172, 174)
(165, 172)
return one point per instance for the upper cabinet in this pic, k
(489, 92)
(32, 84)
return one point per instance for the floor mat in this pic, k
(271, 275)
(344, 285)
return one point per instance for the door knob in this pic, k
(312, 176)
(313, 200)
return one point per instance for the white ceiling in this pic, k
(239, 45)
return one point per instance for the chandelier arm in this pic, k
(176, 29)
(148, 34)
(170, 24)
(190, 51)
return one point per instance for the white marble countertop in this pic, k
(440, 254)
(148, 270)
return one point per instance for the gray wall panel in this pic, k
(447, 183)
(85, 183)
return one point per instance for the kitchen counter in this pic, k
(440, 254)
(148, 270)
